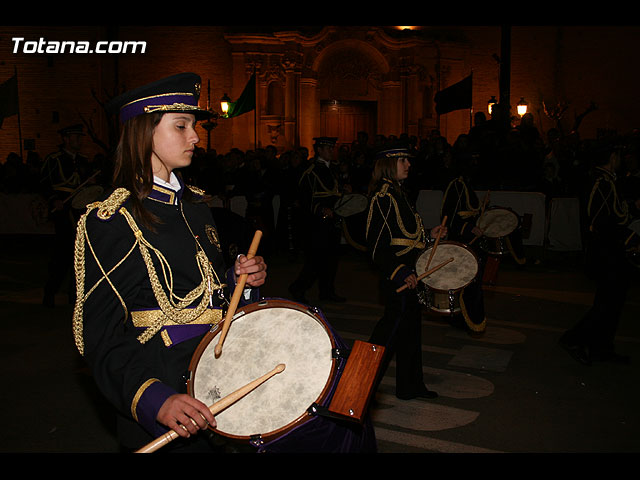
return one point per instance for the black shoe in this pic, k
(421, 392)
(580, 353)
(332, 298)
(298, 295)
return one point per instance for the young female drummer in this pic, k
(395, 238)
(149, 270)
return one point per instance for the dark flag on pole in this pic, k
(8, 98)
(246, 101)
(456, 97)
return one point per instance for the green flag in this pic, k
(8, 98)
(247, 100)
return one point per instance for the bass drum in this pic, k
(278, 415)
(444, 286)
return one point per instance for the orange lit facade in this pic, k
(318, 81)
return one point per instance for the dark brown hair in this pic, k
(385, 167)
(132, 163)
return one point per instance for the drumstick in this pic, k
(474, 239)
(220, 405)
(484, 204)
(427, 273)
(435, 245)
(237, 293)
(77, 189)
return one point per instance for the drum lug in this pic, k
(256, 440)
(340, 353)
(452, 302)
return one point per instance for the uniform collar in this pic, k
(607, 172)
(167, 192)
(322, 161)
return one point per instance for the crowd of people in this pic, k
(518, 159)
(489, 157)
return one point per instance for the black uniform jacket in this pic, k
(395, 234)
(608, 213)
(145, 300)
(461, 206)
(318, 189)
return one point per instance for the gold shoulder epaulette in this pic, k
(107, 208)
(197, 191)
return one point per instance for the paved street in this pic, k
(512, 390)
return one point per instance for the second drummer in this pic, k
(461, 207)
(395, 237)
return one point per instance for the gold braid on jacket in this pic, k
(620, 210)
(416, 239)
(172, 306)
(465, 190)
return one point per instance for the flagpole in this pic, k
(15, 71)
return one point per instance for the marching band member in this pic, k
(395, 237)
(461, 207)
(150, 275)
(592, 338)
(319, 192)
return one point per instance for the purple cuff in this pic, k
(149, 404)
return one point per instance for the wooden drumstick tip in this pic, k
(279, 368)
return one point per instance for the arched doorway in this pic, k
(344, 119)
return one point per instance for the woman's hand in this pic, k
(477, 231)
(185, 415)
(411, 281)
(438, 228)
(255, 268)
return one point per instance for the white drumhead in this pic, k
(498, 222)
(454, 275)
(256, 343)
(351, 204)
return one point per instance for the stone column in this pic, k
(309, 112)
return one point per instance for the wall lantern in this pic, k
(224, 105)
(522, 107)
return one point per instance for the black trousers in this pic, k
(321, 251)
(400, 332)
(611, 271)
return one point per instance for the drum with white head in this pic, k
(351, 204)
(497, 224)
(444, 286)
(261, 336)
